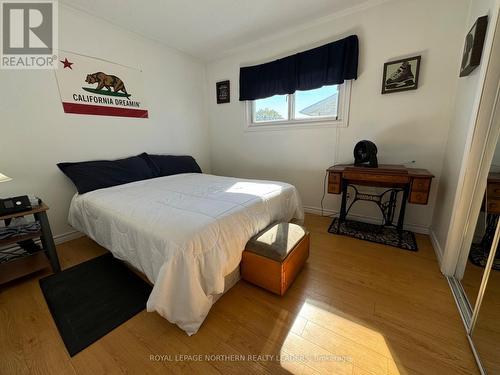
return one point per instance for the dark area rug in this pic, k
(375, 233)
(89, 300)
(478, 256)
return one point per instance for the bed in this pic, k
(185, 232)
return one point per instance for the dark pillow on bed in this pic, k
(166, 165)
(92, 175)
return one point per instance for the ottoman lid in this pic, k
(276, 241)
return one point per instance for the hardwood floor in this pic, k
(356, 308)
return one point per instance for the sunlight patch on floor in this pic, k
(322, 341)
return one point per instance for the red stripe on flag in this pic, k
(88, 109)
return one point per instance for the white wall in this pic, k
(35, 134)
(405, 126)
(462, 122)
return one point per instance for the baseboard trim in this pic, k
(437, 247)
(368, 219)
(68, 236)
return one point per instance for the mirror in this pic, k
(473, 265)
(486, 331)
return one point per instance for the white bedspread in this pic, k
(184, 232)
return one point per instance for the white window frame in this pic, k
(341, 121)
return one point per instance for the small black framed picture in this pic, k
(223, 92)
(401, 75)
(473, 47)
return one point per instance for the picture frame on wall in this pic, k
(223, 92)
(473, 46)
(401, 75)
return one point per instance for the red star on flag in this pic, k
(66, 63)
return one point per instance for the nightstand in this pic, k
(23, 263)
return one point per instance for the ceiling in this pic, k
(204, 28)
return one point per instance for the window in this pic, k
(326, 106)
(271, 109)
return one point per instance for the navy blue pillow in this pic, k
(166, 165)
(92, 175)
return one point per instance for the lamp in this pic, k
(4, 178)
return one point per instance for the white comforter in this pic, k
(184, 232)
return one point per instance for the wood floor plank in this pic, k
(426, 353)
(35, 331)
(150, 333)
(361, 355)
(385, 310)
(315, 356)
(96, 360)
(11, 348)
(345, 326)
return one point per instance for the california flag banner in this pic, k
(91, 86)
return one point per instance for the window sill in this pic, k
(286, 125)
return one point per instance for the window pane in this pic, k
(320, 102)
(274, 108)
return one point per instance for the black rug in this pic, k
(479, 256)
(375, 233)
(91, 299)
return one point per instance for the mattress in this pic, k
(185, 232)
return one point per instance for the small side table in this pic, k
(30, 262)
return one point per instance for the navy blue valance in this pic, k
(329, 64)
